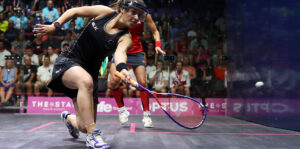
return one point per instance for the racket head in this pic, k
(185, 111)
(191, 116)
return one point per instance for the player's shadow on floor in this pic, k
(161, 129)
(76, 144)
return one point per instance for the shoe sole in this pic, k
(71, 132)
(91, 147)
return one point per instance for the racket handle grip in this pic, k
(132, 82)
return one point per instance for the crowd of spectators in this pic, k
(194, 65)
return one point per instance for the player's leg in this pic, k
(77, 78)
(114, 84)
(140, 73)
(71, 121)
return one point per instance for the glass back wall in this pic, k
(263, 45)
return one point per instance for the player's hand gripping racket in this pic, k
(185, 111)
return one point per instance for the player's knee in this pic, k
(87, 83)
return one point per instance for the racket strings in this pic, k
(185, 111)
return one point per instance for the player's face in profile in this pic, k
(133, 16)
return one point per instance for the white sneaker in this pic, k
(147, 120)
(72, 130)
(123, 115)
(95, 141)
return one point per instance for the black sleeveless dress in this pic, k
(88, 51)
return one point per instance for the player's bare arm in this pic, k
(155, 34)
(86, 11)
(120, 55)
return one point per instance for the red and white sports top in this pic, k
(136, 33)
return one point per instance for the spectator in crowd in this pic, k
(150, 66)
(180, 80)
(43, 76)
(176, 30)
(26, 78)
(202, 85)
(7, 44)
(3, 53)
(75, 32)
(192, 32)
(65, 47)
(51, 41)
(165, 33)
(220, 69)
(220, 23)
(216, 57)
(186, 18)
(7, 6)
(219, 84)
(20, 21)
(8, 78)
(67, 39)
(38, 5)
(199, 40)
(64, 5)
(28, 31)
(34, 58)
(11, 32)
(185, 52)
(170, 57)
(49, 13)
(151, 51)
(3, 23)
(52, 55)
(182, 44)
(159, 78)
(78, 24)
(189, 68)
(19, 45)
(200, 55)
(37, 46)
(165, 41)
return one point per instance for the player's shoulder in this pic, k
(105, 10)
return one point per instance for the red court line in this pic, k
(242, 134)
(171, 123)
(114, 123)
(132, 128)
(42, 126)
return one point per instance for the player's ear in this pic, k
(122, 10)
